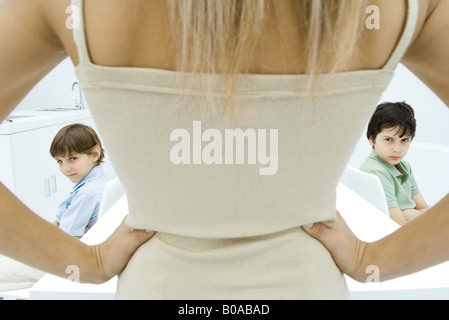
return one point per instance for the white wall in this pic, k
(54, 90)
(429, 152)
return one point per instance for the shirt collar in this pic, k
(92, 175)
(400, 174)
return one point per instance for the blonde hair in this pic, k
(219, 37)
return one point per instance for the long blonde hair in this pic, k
(219, 36)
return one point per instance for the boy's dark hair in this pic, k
(76, 138)
(391, 115)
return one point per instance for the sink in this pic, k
(60, 109)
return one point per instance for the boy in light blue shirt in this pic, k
(78, 151)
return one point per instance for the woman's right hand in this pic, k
(113, 255)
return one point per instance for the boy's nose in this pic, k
(66, 168)
(396, 148)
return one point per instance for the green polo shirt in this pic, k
(399, 185)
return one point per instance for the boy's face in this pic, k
(389, 146)
(76, 166)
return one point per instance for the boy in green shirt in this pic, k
(390, 132)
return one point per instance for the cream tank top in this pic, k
(194, 172)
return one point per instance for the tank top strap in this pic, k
(79, 35)
(412, 17)
(407, 35)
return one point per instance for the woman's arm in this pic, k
(428, 55)
(417, 245)
(30, 49)
(26, 237)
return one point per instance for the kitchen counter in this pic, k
(25, 120)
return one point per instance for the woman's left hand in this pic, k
(346, 249)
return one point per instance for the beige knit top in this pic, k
(191, 171)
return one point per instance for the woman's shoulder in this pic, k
(391, 14)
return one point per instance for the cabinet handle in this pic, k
(47, 188)
(54, 188)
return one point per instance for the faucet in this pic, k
(78, 104)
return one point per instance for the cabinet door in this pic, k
(38, 182)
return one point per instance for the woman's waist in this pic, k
(290, 239)
(217, 224)
(288, 264)
(212, 243)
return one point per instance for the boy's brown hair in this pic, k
(76, 138)
(391, 115)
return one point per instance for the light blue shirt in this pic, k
(80, 209)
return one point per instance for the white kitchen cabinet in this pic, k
(26, 166)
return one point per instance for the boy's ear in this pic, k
(96, 152)
(371, 141)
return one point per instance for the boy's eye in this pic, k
(73, 158)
